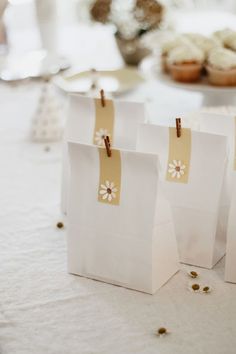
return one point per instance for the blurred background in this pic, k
(23, 17)
(80, 35)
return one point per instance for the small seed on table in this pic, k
(206, 289)
(195, 287)
(162, 331)
(193, 274)
(60, 225)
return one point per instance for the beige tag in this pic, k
(235, 144)
(179, 156)
(104, 124)
(110, 177)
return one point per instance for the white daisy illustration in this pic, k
(108, 191)
(176, 169)
(100, 135)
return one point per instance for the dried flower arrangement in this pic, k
(132, 19)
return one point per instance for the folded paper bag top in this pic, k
(221, 124)
(215, 123)
(89, 121)
(87, 118)
(120, 227)
(199, 212)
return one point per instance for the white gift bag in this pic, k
(120, 227)
(221, 124)
(192, 174)
(88, 122)
(224, 124)
(230, 261)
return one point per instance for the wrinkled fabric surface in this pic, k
(45, 310)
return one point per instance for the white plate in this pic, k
(113, 81)
(212, 95)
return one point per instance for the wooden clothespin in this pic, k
(108, 145)
(178, 127)
(103, 100)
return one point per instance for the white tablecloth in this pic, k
(45, 310)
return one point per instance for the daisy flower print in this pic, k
(100, 135)
(108, 191)
(176, 169)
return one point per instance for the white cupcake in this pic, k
(169, 45)
(230, 41)
(222, 34)
(204, 43)
(221, 67)
(185, 63)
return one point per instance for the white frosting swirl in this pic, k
(222, 59)
(230, 41)
(223, 34)
(167, 46)
(186, 53)
(202, 42)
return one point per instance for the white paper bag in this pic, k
(131, 243)
(224, 124)
(230, 261)
(221, 124)
(81, 127)
(200, 217)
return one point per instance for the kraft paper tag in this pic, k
(179, 156)
(104, 122)
(110, 177)
(235, 144)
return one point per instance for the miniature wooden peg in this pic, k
(178, 127)
(108, 146)
(103, 100)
